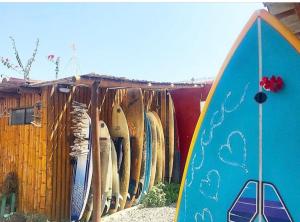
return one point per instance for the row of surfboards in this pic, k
(134, 156)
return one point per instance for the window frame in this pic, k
(25, 120)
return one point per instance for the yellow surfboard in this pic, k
(105, 146)
(115, 181)
(160, 149)
(134, 112)
(170, 147)
(119, 129)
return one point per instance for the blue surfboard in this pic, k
(148, 162)
(82, 174)
(244, 157)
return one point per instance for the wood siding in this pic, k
(23, 150)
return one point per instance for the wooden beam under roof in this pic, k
(285, 14)
(112, 82)
(288, 13)
(116, 82)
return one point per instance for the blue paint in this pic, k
(148, 163)
(230, 130)
(281, 120)
(245, 207)
(241, 71)
(274, 209)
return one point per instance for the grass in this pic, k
(161, 195)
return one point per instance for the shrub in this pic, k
(171, 190)
(156, 197)
(161, 195)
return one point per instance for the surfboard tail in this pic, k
(249, 207)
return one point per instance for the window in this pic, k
(21, 116)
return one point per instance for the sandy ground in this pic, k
(140, 214)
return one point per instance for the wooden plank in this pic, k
(20, 167)
(32, 138)
(36, 164)
(67, 160)
(64, 155)
(26, 165)
(38, 171)
(41, 145)
(59, 161)
(96, 154)
(42, 175)
(54, 156)
(112, 82)
(47, 104)
(32, 143)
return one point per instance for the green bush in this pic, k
(161, 195)
(156, 197)
(171, 190)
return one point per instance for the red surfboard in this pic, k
(187, 110)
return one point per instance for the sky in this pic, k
(148, 41)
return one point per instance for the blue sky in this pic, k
(152, 41)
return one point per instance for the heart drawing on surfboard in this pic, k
(234, 152)
(204, 216)
(209, 187)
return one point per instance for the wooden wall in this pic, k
(23, 150)
(40, 155)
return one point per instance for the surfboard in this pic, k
(176, 161)
(82, 166)
(119, 130)
(134, 111)
(142, 172)
(154, 144)
(115, 181)
(88, 208)
(244, 156)
(146, 173)
(184, 100)
(170, 139)
(160, 149)
(105, 149)
(109, 182)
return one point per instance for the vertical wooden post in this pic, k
(96, 154)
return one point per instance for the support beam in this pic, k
(124, 83)
(96, 153)
(284, 14)
(297, 9)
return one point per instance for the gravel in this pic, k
(139, 213)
